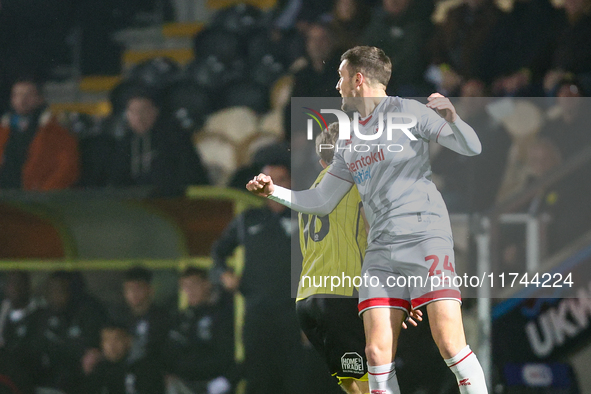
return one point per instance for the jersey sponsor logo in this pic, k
(465, 382)
(361, 169)
(366, 160)
(352, 362)
(362, 175)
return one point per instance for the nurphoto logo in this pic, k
(393, 121)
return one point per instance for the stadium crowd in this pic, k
(169, 124)
(65, 340)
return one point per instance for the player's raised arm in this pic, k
(457, 135)
(318, 201)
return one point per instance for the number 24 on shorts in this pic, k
(446, 265)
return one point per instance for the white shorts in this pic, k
(408, 271)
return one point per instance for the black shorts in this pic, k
(335, 330)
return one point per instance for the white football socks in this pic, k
(382, 379)
(468, 372)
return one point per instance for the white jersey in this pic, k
(394, 176)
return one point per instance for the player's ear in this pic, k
(359, 79)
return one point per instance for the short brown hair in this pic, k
(372, 62)
(327, 137)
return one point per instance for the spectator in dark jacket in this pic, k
(400, 29)
(146, 322)
(318, 78)
(149, 150)
(521, 47)
(199, 348)
(118, 373)
(18, 319)
(460, 44)
(572, 52)
(67, 332)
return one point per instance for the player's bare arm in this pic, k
(321, 200)
(459, 136)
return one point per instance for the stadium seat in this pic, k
(158, 73)
(242, 19)
(224, 45)
(236, 124)
(218, 154)
(210, 72)
(281, 90)
(188, 103)
(272, 123)
(247, 94)
(266, 70)
(254, 143)
(286, 49)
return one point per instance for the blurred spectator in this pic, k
(399, 28)
(272, 340)
(572, 53)
(299, 13)
(146, 322)
(318, 78)
(349, 20)
(266, 154)
(118, 373)
(569, 130)
(151, 149)
(460, 44)
(18, 319)
(470, 184)
(523, 124)
(520, 48)
(68, 332)
(37, 153)
(565, 204)
(200, 346)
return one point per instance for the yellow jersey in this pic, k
(333, 247)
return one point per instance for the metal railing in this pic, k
(486, 230)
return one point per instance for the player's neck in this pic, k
(370, 102)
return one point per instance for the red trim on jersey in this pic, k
(465, 357)
(364, 122)
(381, 373)
(343, 179)
(437, 295)
(439, 132)
(384, 302)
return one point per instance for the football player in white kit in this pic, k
(410, 232)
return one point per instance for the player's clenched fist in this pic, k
(261, 185)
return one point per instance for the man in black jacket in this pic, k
(272, 340)
(148, 148)
(146, 322)
(68, 330)
(117, 373)
(199, 349)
